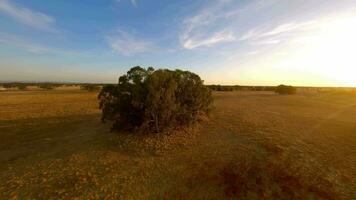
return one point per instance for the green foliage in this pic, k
(227, 88)
(22, 87)
(269, 88)
(285, 90)
(7, 85)
(90, 87)
(155, 100)
(224, 87)
(46, 86)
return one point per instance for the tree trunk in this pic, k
(156, 123)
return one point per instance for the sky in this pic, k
(235, 42)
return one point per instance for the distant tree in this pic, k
(224, 88)
(46, 86)
(8, 85)
(90, 87)
(212, 87)
(22, 86)
(258, 88)
(154, 100)
(269, 88)
(285, 90)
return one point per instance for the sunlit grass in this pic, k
(255, 145)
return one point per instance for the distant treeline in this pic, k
(50, 86)
(238, 87)
(91, 87)
(97, 87)
(20, 85)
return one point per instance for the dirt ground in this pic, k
(256, 145)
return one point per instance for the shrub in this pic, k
(46, 86)
(8, 85)
(19, 86)
(154, 100)
(90, 87)
(285, 90)
(22, 87)
(224, 87)
(269, 88)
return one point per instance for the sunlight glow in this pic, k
(330, 49)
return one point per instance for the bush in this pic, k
(19, 86)
(90, 87)
(154, 100)
(8, 85)
(22, 87)
(285, 90)
(46, 86)
(224, 88)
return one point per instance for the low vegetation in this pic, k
(155, 100)
(230, 88)
(22, 87)
(90, 87)
(46, 86)
(224, 87)
(285, 90)
(19, 86)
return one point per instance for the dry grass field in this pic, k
(256, 145)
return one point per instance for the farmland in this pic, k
(254, 145)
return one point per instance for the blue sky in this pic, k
(247, 42)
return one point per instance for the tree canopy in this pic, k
(285, 90)
(155, 100)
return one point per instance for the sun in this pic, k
(330, 49)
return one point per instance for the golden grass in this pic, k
(44, 104)
(257, 145)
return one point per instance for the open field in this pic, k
(256, 145)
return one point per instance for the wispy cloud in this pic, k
(274, 35)
(283, 28)
(133, 2)
(217, 23)
(219, 37)
(128, 43)
(289, 27)
(20, 43)
(27, 16)
(252, 53)
(15, 41)
(268, 42)
(199, 30)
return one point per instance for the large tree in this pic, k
(155, 100)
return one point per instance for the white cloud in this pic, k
(223, 36)
(17, 42)
(252, 53)
(20, 43)
(288, 27)
(128, 44)
(224, 21)
(217, 23)
(251, 34)
(267, 35)
(268, 42)
(197, 29)
(28, 17)
(283, 28)
(133, 2)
